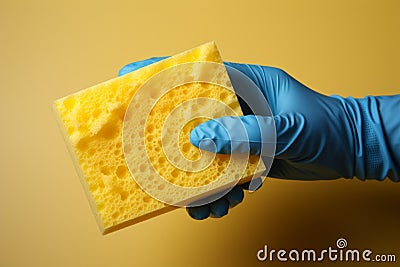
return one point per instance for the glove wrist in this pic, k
(371, 158)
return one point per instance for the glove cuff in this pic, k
(371, 158)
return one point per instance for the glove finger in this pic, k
(235, 196)
(256, 184)
(242, 134)
(219, 208)
(253, 134)
(138, 64)
(199, 213)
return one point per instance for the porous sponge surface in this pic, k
(92, 123)
(154, 137)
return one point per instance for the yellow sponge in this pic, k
(92, 122)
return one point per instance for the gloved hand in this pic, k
(318, 136)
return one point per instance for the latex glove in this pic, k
(318, 137)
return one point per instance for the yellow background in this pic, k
(49, 49)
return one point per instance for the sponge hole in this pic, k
(186, 148)
(161, 187)
(175, 173)
(150, 128)
(146, 199)
(142, 167)
(121, 171)
(106, 170)
(149, 138)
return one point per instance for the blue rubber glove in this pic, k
(318, 137)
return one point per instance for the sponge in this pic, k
(92, 122)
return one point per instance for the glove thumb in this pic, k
(258, 135)
(242, 134)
